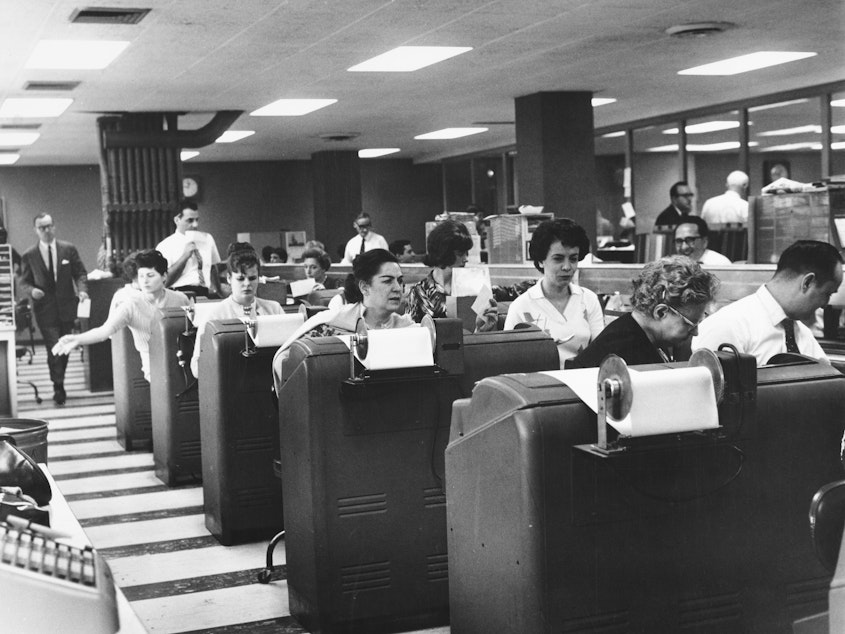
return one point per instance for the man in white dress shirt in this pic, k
(366, 240)
(769, 322)
(191, 255)
(691, 240)
(730, 206)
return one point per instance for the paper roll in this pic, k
(273, 330)
(201, 311)
(664, 401)
(398, 348)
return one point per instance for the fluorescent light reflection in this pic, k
(801, 129)
(601, 101)
(75, 54)
(9, 158)
(375, 152)
(746, 63)
(786, 147)
(707, 126)
(450, 133)
(769, 106)
(292, 107)
(17, 139)
(34, 107)
(613, 135)
(700, 147)
(230, 136)
(404, 59)
(187, 155)
(838, 103)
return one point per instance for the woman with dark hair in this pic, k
(316, 263)
(374, 292)
(446, 248)
(138, 312)
(242, 276)
(669, 298)
(570, 314)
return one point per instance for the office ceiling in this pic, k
(200, 56)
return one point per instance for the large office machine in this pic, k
(560, 523)
(174, 399)
(362, 440)
(239, 431)
(132, 410)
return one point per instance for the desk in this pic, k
(63, 519)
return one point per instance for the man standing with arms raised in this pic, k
(55, 278)
(191, 255)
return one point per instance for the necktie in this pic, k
(51, 266)
(789, 332)
(199, 268)
(362, 246)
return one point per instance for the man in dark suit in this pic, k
(681, 196)
(49, 271)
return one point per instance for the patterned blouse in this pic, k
(427, 297)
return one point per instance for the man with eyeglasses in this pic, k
(681, 206)
(769, 322)
(366, 240)
(53, 275)
(691, 240)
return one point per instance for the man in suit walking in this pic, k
(49, 272)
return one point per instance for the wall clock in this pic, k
(190, 187)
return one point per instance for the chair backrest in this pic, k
(323, 296)
(827, 519)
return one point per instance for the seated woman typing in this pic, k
(316, 264)
(669, 299)
(571, 315)
(138, 312)
(242, 276)
(374, 290)
(446, 248)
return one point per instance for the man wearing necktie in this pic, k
(366, 240)
(53, 276)
(191, 255)
(772, 320)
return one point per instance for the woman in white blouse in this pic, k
(242, 275)
(570, 314)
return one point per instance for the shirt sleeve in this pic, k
(593, 313)
(513, 316)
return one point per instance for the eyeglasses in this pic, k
(366, 226)
(686, 194)
(41, 227)
(689, 322)
(689, 241)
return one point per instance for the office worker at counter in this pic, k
(242, 267)
(316, 264)
(570, 314)
(191, 256)
(366, 240)
(691, 239)
(138, 312)
(669, 298)
(374, 293)
(769, 322)
(447, 247)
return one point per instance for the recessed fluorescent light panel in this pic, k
(801, 129)
(34, 107)
(17, 139)
(405, 59)
(75, 54)
(9, 158)
(704, 128)
(230, 136)
(187, 155)
(375, 152)
(292, 107)
(701, 147)
(450, 133)
(602, 101)
(746, 63)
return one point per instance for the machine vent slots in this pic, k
(362, 505)
(51, 86)
(108, 15)
(372, 576)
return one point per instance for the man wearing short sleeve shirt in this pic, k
(191, 255)
(769, 322)
(366, 240)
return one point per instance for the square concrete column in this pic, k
(337, 197)
(555, 165)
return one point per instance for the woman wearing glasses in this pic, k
(669, 299)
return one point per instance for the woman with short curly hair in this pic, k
(669, 298)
